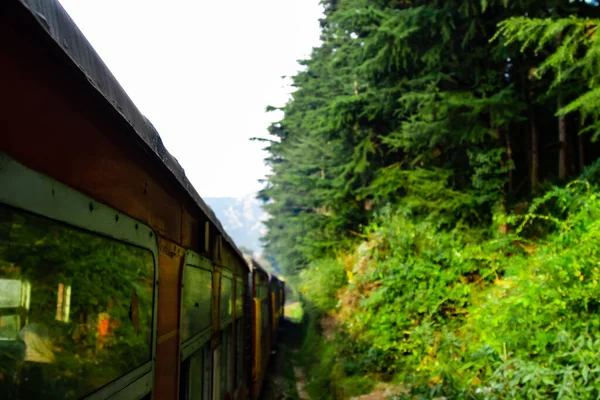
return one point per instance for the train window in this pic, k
(226, 308)
(192, 374)
(195, 376)
(75, 308)
(258, 293)
(9, 326)
(196, 301)
(264, 292)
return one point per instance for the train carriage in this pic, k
(260, 325)
(267, 312)
(276, 289)
(116, 280)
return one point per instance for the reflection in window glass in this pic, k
(12, 292)
(226, 298)
(196, 301)
(75, 308)
(9, 327)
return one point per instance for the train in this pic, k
(117, 281)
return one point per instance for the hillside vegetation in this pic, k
(434, 197)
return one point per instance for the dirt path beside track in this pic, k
(285, 379)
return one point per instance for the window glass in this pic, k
(9, 327)
(196, 301)
(226, 297)
(259, 292)
(196, 375)
(75, 308)
(192, 378)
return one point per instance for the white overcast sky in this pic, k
(203, 72)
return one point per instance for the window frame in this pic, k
(197, 341)
(33, 192)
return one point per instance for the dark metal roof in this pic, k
(254, 265)
(60, 27)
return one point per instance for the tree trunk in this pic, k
(581, 145)
(509, 160)
(563, 141)
(503, 227)
(535, 157)
(562, 131)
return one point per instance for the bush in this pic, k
(465, 313)
(319, 284)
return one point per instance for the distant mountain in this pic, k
(242, 219)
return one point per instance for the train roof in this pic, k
(254, 265)
(75, 48)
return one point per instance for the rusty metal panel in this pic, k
(75, 48)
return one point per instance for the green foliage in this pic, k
(319, 285)
(573, 59)
(294, 312)
(318, 358)
(100, 277)
(402, 196)
(466, 315)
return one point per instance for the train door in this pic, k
(226, 309)
(238, 383)
(216, 374)
(197, 358)
(195, 378)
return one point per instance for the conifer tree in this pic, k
(412, 104)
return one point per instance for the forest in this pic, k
(434, 198)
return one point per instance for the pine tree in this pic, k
(411, 103)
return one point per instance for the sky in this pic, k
(203, 72)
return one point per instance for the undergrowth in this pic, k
(463, 313)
